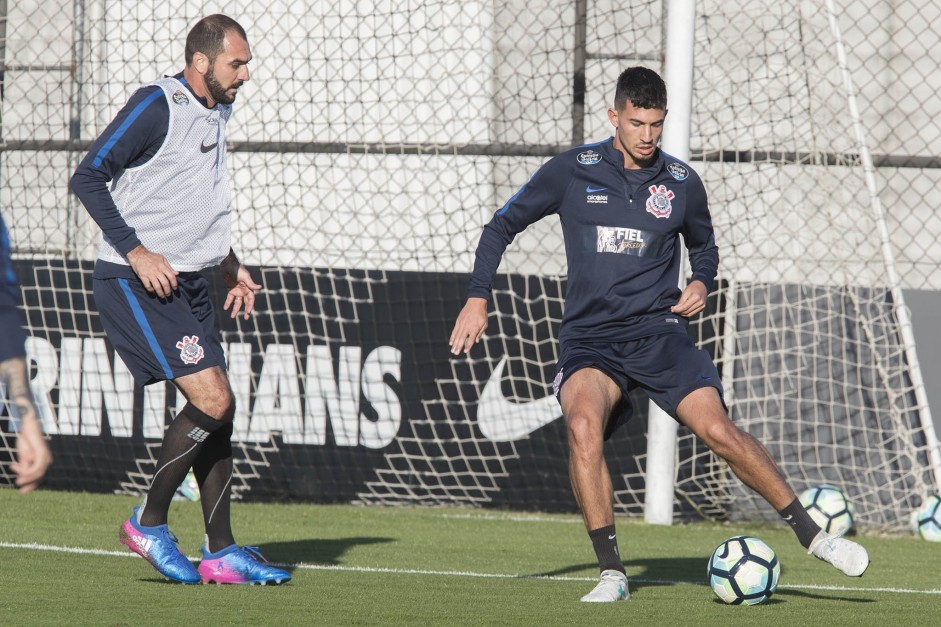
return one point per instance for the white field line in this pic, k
(515, 518)
(454, 573)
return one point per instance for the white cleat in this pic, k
(611, 587)
(845, 555)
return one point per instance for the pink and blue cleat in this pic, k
(235, 564)
(158, 546)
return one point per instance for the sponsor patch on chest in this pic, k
(677, 171)
(623, 240)
(613, 239)
(589, 157)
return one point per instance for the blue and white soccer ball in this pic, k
(188, 490)
(829, 508)
(744, 571)
(926, 520)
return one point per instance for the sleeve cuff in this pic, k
(127, 245)
(705, 281)
(476, 292)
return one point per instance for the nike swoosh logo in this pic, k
(501, 420)
(591, 190)
(205, 148)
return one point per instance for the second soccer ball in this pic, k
(829, 508)
(926, 520)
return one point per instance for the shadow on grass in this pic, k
(163, 580)
(775, 600)
(791, 592)
(566, 570)
(646, 572)
(666, 571)
(326, 552)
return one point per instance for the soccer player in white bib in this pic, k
(165, 217)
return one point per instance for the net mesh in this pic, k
(374, 141)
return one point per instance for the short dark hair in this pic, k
(642, 87)
(208, 36)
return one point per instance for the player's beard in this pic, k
(643, 161)
(639, 160)
(216, 91)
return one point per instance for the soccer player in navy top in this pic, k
(623, 203)
(32, 452)
(165, 217)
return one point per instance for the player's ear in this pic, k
(200, 62)
(613, 117)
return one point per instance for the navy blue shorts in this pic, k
(667, 367)
(160, 339)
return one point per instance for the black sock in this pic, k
(800, 521)
(213, 470)
(182, 441)
(605, 542)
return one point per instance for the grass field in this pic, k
(61, 564)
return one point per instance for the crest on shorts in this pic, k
(557, 383)
(190, 350)
(659, 202)
(180, 98)
(589, 157)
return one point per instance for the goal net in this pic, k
(375, 140)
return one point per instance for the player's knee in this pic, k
(584, 429)
(226, 407)
(723, 437)
(228, 410)
(219, 406)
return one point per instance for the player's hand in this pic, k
(32, 456)
(154, 271)
(242, 295)
(692, 300)
(470, 326)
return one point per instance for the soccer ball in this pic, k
(743, 571)
(926, 520)
(829, 508)
(188, 490)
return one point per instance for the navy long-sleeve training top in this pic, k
(621, 230)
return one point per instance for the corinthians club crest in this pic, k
(190, 350)
(659, 202)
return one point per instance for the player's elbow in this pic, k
(80, 183)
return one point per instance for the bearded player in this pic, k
(165, 217)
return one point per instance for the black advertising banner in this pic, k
(346, 392)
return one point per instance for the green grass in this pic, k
(427, 566)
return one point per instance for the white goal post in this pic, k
(678, 75)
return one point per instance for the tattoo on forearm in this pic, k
(13, 375)
(24, 409)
